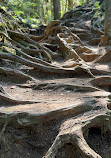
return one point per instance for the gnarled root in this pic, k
(106, 57)
(103, 82)
(41, 67)
(7, 100)
(54, 86)
(17, 73)
(73, 139)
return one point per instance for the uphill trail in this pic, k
(55, 91)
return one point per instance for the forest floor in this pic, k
(55, 105)
(57, 115)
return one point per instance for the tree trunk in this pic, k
(109, 18)
(104, 38)
(106, 17)
(70, 4)
(57, 9)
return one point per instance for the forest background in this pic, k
(37, 12)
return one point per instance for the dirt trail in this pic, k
(60, 107)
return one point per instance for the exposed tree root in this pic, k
(98, 72)
(17, 35)
(70, 63)
(65, 49)
(54, 86)
(25, 130)
(7, 99)
(103, 82)
(89, 57)
(15, 73)
(82, 49)
(57, 86)
(10, 101)
(94, 41)
(2, 90)
(28, 50)
(21, 53)
(106, 57)
(72, 140)
(69, 46)
(43, 68)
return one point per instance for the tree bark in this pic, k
(109, 18)
(106, 17)
(70, 4)
(57, 9)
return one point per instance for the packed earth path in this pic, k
(55, 91)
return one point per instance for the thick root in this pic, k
(103, 82)
(43, 68)
(66, 49)
(7, 100)
(106, 57)
(55, 86)
(16, 73)
(26, 56)
(73, 139)
(17, 35)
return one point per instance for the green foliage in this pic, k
(35, 12)
(98, 12)
(97, 5)
(23, 10)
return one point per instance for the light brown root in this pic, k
(86, 53)
(65, 49)
(36, 38)
(82, 49)
(26, 56)
(103, 82)
(94, 41)
(89, 57)
(70, 63)
(15, 73)
(63, 86)
(29, 51)
(98, 72)
(75, 37)
(43, 68)
(73, 139)
(106, 57)
(24, 37)
(7, 100)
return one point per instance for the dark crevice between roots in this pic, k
(94, 131)
(109, 106)
(106, 88)
(8, 79)
(109, 103)
(68, 150)
(100, 143)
